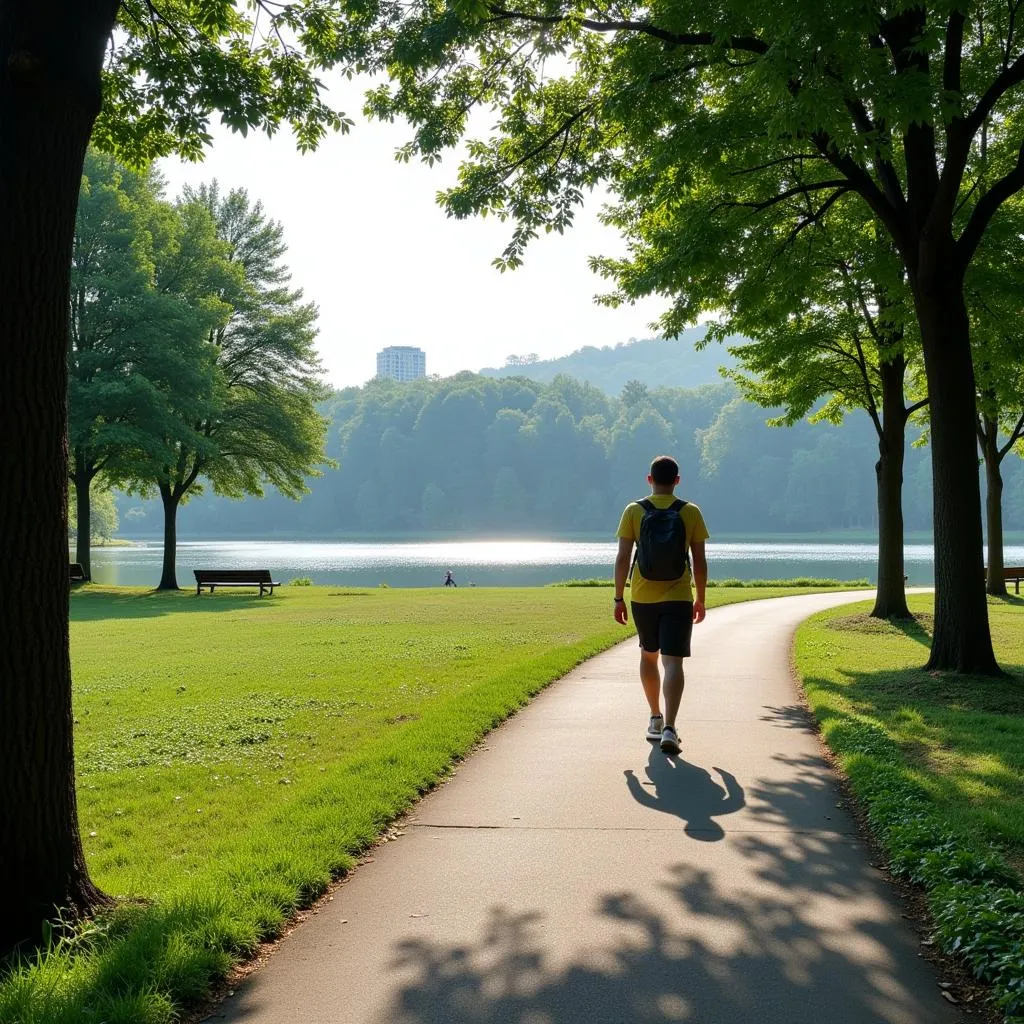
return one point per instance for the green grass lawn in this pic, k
(963, 738)
(234, 753)
(938, 762)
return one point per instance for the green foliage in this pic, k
(727, 136)
(794, 581)
(104, 518)
(190, 356)
(300, 581)
(136, 328)
(995, 288)
(255, 422)
(533, 467)
(938, 763)
(171, 66)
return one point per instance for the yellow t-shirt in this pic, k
(649, 591)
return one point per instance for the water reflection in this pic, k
(489, 563)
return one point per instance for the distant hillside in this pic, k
(656, 362)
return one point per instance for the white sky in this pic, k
(368, 243)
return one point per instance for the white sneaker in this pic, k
(655, 727)
(670, 741)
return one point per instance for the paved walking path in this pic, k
(570, 872)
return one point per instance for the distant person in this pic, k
(666, 531)
(449, 579)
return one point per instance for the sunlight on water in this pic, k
(491, 562)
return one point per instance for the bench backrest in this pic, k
(1012, 571)
(232, 575)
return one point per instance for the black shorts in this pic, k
(664, 626)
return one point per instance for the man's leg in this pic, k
(650, 677)
(674, 682)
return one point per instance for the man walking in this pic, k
(666, 531)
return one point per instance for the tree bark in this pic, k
(994, 582)
(51, 53)
(83, 515)
(961, 641)
(891, 595)
(169, 576)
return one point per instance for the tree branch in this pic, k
(986, 207)
(812, 217)
(1012, 75)
(511, 168)
(1015, 435)
(781, 197)
(791, 158)
(750, 44)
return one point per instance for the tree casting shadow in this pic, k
(92, 606)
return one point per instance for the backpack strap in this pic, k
(679, 504)
(648, 506)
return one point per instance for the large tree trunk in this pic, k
(51, 53)
(961, 641)
(83, 515)
(169, 576)
(994, 582)
(891, 596)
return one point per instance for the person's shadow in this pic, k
(677, 787)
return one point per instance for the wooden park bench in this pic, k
(1014, 574)
(234, 578)
(77, 573)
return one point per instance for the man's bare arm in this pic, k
(622, 558)
(700, 578)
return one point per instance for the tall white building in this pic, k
(402, 362)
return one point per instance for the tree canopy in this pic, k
(726, 133)
(240, 413)
(139, 310)
(534, 476)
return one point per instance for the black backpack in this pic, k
(662, 552)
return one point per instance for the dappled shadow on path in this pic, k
(699, 952)
(778, 923)
(674, 786)
(790, 716)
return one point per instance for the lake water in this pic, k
(489, 563)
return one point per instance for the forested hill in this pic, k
(479, 456)
(656, 362)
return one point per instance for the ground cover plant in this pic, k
(235, 752)
(938, 761)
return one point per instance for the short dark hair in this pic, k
(664, 470)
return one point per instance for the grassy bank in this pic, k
(797, 582)
(234, 753)
(938, 761)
